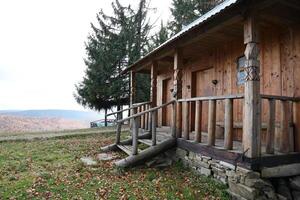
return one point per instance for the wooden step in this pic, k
(127, 149)
(147, 142)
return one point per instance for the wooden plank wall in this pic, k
(280, 72)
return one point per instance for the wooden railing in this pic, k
(285, 135)
(134, 106)
(137, 118)
(228, 143)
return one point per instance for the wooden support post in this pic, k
(198, 121)
(132, 93)
(153, 91)
(173, 130)
(252, 101)
(146, 118)
(135, 134)
(142, 117)
(149, 120)
(212, 122)
(186, 120)
(118, 137)
(153, 116)
(284, 138)
(228, 132)
(270, 140)
(177, 92)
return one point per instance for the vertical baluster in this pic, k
(212, 122)
(284, 128)
(173, 120)
(271, 127)
(228, 132)
(178, 119)
(118, 138)
(146, 118)
(153, 117)
(142, 118)
(135, 132)
(198, 121)
(186, 119)
(150, 121)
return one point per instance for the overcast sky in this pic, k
(42, 49)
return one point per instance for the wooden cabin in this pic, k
(227, 86)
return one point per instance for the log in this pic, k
(284, 140)
(118, 135)
(270, 140)
(212, 122)
(146, 154)
(228, 132)
(153, 116)
(135, 133)
(198, 121)
(186, 120)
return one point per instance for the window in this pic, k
(241, 70)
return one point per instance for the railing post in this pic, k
(142, 117)
(228, 132)
(198, 121)
(212, 122)
(146, 117)
(150, 121)
(271, 127)
(178, 119)
(173, 120)
(186, 119)
(153, 117)
(135, 133)
(284, 138)
(118, 136)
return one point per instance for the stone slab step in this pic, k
(127, 149)
(147, 142)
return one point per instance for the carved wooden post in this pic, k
(252, 102)
(212, 122)
(228, 142)
(153, 116)
(284, 138)
(153, 92)
(271, 127)
(198, 121)
(135, 133)
(177, 93)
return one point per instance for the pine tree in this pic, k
(186, 11)
(160, 37)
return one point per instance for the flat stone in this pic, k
(181, 153)
(227, 165)
(88, 161)
(243, 191)
(205, 171)
(105, 156)
(202, 164)
(295, 183)
(296, 195)
(206, 158)
(281, 171)
(235, 196)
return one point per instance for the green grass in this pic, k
(51, 169)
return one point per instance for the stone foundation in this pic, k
(243, 184)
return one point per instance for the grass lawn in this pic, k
(51, 169)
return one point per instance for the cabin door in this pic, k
(166, 97)
(202, 86)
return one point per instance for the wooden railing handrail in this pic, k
(282, 98)
(136, 105)
(146, 111)
(237, 96)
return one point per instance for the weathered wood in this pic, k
(173, 126)
(147, 118)
(228, 141)
(129, 108)
(198, 121)
(118, 135)
(142, 118)
(132, 87)
(252, 103)
(281, 171)
(223, 97)
(283, 98)
(177, 92)
(178, 119)
(153, 117)
(146, 154)
(284, 140)
(271, 127)
(153, 88)
(212, 122)
(186, 120)
(135, 134)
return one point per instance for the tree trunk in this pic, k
(105, 118)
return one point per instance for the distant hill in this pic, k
(62, 114)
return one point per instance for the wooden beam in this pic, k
(198, 121)
(271, 127)
(252, 103)
(212, 122)
(228, 132)
(177, 90)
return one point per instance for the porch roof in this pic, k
(218, 10)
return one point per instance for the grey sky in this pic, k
(42, 49)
